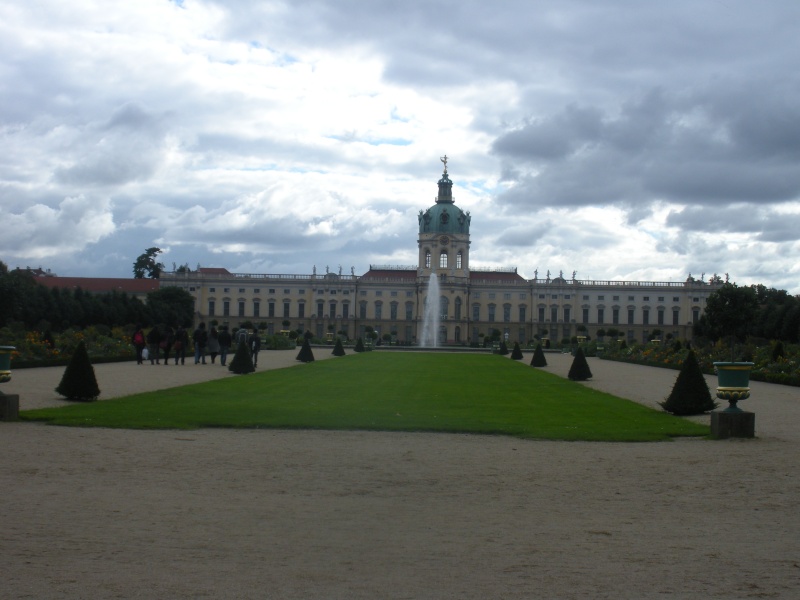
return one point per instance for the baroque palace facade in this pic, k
(473, 301)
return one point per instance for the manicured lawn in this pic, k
(391, 392)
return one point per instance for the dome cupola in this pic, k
(444, 216)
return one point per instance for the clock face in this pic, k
(444, 240)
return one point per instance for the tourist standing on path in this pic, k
(213, 344)
(153, 345)
(225, 342)
(167, 341)
(181, 341)
(255, 346)
(138, 343)
(200, 338)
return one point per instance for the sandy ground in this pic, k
(97, 513)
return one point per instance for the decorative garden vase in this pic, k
(5, 363)
(733, 383)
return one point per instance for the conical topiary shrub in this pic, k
(359, 346)
(305, 355)
(690, 395)
(538, 359)
(579, 371)
(503, 349)
(79, 382)
(516, 353)
(338, 349)
(242, 362)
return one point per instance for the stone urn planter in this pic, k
(733, 383)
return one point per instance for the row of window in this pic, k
(343, 310)
(444, 259)
(602, 297)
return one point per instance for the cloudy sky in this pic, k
(619, 139)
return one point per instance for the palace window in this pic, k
(443, 260)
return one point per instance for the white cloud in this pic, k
(624, 140)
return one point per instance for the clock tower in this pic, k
(443, 240)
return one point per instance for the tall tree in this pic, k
(146, 264)
(171, 305)
(730, 311)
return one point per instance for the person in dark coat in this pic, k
(225, 342)
(154, 345)
(213, 344)
(200, 339)
(181, 342)
(167, 341)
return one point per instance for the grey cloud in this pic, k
(128, 147)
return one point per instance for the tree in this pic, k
(170, 305)
(79, 382)
(579, 370)
(730, 311)
(538, 359)
(503, 350)
(146, 264)
(305, 355)
(359, 346)
(690, 395)
(516, 353)
(338, 349)
(242, 362)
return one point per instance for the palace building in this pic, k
(473, 302)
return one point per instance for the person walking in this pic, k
(225, 342)
(139, 343)
(200, 339)
(213, 344)
(154, 345)
(255, 346)
(181, 341)
(167, 341)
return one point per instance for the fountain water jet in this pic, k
(430, 322)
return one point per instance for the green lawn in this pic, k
(391, 392)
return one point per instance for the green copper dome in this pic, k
(444, 216)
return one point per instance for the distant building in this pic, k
(137, 288)
(473, 301)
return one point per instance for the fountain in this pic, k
(430, 322)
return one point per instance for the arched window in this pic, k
(427, 259)
(443, 260)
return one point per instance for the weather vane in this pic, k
(444, 160)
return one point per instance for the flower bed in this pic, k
(42, 349)
(768, 368)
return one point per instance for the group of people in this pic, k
(160, 342)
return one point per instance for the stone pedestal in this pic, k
(9, 407)
(733, 424)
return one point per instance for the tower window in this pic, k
(443, 260)
(458, 260)
(427, 259)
